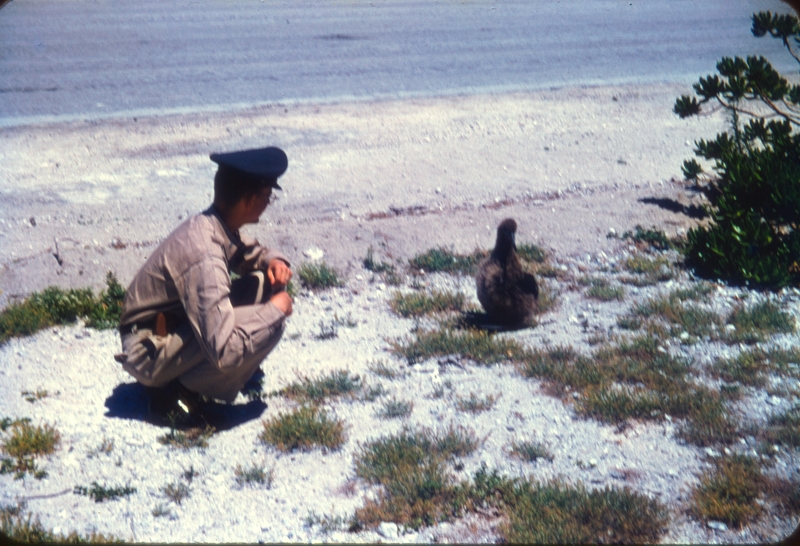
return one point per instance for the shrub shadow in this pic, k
(130, 401)
(692, 211)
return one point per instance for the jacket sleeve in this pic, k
(227, 337)
(256, 257)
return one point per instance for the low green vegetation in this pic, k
(393, 409)
(475, 403)
(649, 238)
(318, 276)
(648, 271)
(476, 345)
(333, 385)
(254, 476)
(25, 443)
(529, 252)
(325, 524)
(189, 438)
(529, 451)
(303, 429)
(446, 261)
(370, 264)
(177, 492)
(100, 493)
(601, 289)
(729, 492)
(418, 304)
(35, 396)
(25, 528)
(418, 489)
(55, 306)
(559, 513)
(783, 428)
(757, 322)
(382, 369)
(411, 467)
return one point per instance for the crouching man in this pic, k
(186, 329)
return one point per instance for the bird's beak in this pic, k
(514, 240)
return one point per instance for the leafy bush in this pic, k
(55, 305)
(754, 195)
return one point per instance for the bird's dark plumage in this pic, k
(507, 293)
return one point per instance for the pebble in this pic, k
(388, 530)
(717, 526)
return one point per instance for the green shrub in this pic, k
(28, 529)
(100, 493)
(318, 276)
(754, 193)
(446, 261)
(303, 429)
(417, 304)
(728, 494)
(336, 383)
(55, 306)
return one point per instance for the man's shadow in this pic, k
(130, 401)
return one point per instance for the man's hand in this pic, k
(278, 274)
(282, 301)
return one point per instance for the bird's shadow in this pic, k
(130, 401)
(472, 319)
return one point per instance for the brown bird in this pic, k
(508, 294)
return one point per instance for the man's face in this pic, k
(257, 204)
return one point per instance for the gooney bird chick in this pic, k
(507, 293)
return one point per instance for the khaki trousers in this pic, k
(178, 355)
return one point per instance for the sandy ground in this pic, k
(81, 199)
(401, 176)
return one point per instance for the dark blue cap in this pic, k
(265, 164)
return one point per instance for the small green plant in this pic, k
(177, 492)
(475, 403)
(254, 476)
(326, 524)
(382, 369)
(529, 252)
(530, 451)
(446, 261)
(25, 440)
(729, 493)
(105, 447)
(758, 322)
(410, 467)
(28, 529)
(318, 276)
(327, 330)
(304, 429)
(557, 513)
(601, 289)
(652, 237)
(417, 304)
(192, 437)
(370, 264)
(392, 409)
(783, 428)
(39, 394)
(684, 317)
(100, 493)
(650, 271)
(160, 510)
(336, 383)
(477, 345)
(55, 306)
(372, 393)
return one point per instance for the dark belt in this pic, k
(161, 325)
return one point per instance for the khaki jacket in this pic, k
(189, 275)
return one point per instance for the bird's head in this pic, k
(506, 235)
